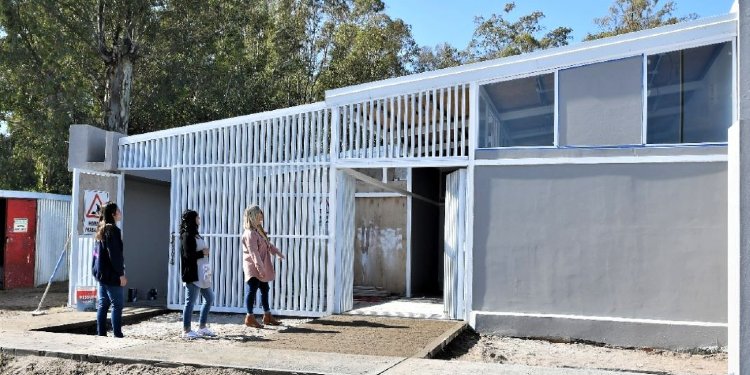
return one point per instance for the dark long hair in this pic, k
(106, 216)
(188, 224)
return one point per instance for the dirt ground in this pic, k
(343, 334)
(17, 301)
(34, 365)
(470, 346)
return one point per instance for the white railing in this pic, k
(293, 134)
(426, 124)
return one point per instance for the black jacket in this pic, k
(108, 262)
(189, 255)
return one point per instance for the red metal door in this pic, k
(20, 243)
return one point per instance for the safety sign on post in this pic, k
(93, 201)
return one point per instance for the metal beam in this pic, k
(372, 181)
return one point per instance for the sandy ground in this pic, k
(341, 334)
(471, 346)
(34, 365)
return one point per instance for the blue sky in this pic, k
(438, 21)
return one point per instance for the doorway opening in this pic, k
(146, 231)
(399, 242)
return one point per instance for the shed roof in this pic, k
(32, 195)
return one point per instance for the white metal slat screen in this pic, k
(344, 268)
(427, 124)
(281, 165)
(455, 237)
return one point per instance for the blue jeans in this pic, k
(252, 287)
(191, 298)
(109, 295)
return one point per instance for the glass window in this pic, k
(690, 95)
(518, 112)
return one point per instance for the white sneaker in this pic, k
(206, 332)
(190, 335)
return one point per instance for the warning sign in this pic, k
(93, 201)
(20, 225)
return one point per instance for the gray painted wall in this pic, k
(621, 240)
(601, 104)
(146, 236)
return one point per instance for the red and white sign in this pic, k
(93, 201)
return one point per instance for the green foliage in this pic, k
(442, 56)
(633, 15)
(193, 61)
(495, 37)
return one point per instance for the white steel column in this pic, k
(739, 208)
(472, 142)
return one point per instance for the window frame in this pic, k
(490, 81)
(644, 54)
(735, 93)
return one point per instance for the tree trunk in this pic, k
(117, 97)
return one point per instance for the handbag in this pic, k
(205, 273)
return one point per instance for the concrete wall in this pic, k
(380, 233)
(380, 244)
(93, 182)
(633, 241)
(146, 236)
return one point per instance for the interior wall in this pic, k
(146, 236)
(380, 237)
(380, 244)
(426, 259)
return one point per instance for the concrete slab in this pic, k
(257, 360)
(205, 354)
(438, 367)
(402, 308)
(62, 344)
(66, 319)
(440, 342)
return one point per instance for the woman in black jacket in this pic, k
(108, 267)
(196, 274)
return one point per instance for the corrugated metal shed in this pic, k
(53, 227)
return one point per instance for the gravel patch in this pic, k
(228, 327)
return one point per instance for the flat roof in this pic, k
(33, 195)
(669, 37)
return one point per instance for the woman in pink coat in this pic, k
(257, 264)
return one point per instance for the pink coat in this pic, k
(256, 256)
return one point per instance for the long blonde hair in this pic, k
(250, 220)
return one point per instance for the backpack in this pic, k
(98, 251)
